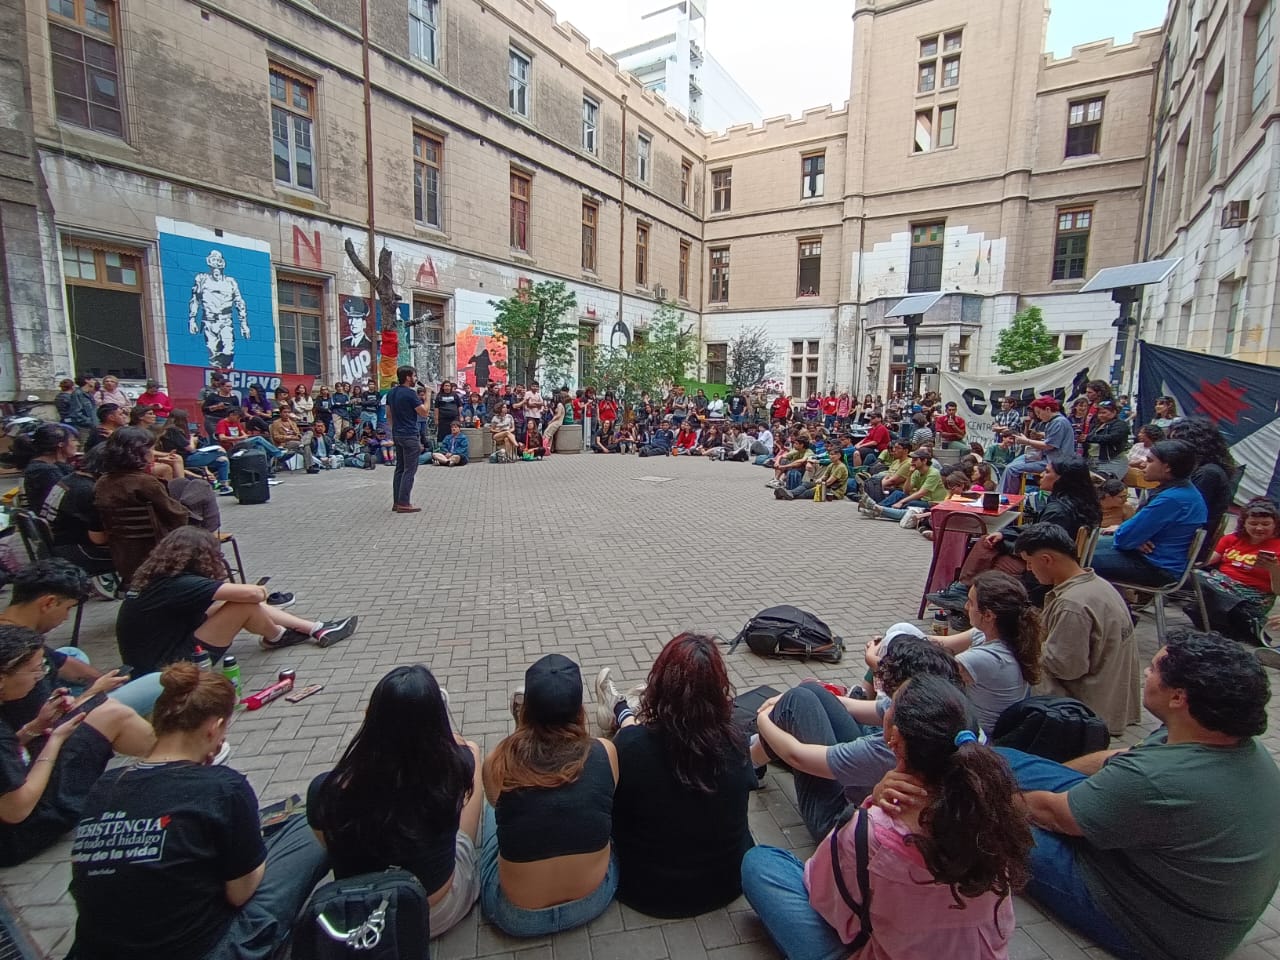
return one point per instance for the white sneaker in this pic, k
(607, 696)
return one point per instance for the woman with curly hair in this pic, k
(1212, 475)
(926, 877)
(180, 599)
(547, 863)
(684, 776)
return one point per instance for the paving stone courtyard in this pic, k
(580, 555)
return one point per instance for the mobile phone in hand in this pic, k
(124, 670)
(1268, 555)
(262, 581)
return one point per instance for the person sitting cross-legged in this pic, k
(789, 468)
(1089, 648)
(1164, 849)
(453, 449)
(923, 489)
(931, 880)
(832, 481)
(873, 446)
(289, 437)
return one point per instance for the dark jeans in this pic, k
(1057, 882)
(812, 714)
(407, 451)
(1128, 566)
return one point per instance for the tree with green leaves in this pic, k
(533, 325)
(652, 362)
(751, 354)
(1026, 344)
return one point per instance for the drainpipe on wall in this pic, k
(372, 255)
(622, 215)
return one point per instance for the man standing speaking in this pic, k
(404, 406)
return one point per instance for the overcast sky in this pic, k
(802, 59)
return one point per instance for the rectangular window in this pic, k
(930, 67)
(1071, 243)
(301, 313)
(1264, 53)
(685, 249)
(804, 368)
(1070, 343)
(721, 190)
(717, 363)
(1217, 113)
(928, 77)
(518, 71)
(426, 340)
(642, 254)
(951, 72)
(720, 275)
(1233, 316)
(590, 123)
(952, 41)
(293, 106)
(812, 171)
(105, 309)
(810, 272)
(1084, 127)
(947, 126)
(428, 164)
(586, 350)
(686, 176)
(590, 221)
(644, 156)
(86, 73)
(521, 188)
(935, 128)
(422, 30)
(925, 272)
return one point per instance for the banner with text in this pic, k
(186, 385)
(979, 397)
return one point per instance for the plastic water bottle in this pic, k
(202, 659)
(231, 670)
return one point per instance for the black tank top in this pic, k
(535, 823)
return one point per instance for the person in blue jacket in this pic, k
(453, 449)
(1150, 548)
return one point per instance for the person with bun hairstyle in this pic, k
(45, 456)
(168, 859)
(937, 849)
(547, 864)
(406, 793)
(49, 765)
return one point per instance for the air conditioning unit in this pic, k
(1235, 214)
(659, 292)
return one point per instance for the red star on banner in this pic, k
(1221, 400)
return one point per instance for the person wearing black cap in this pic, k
(547, 863)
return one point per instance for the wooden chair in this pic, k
(1187, 581)
(37, 540)
(952, 537)
(134, 526)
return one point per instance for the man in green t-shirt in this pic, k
(1168, 849)
(833, 479)
(923, 488)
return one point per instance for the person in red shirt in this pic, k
(873, 444)
(1241, 579)
(157, 399)
(829, 404)
(686, 439)
(780, 409)
(948, 427)
(608, 412)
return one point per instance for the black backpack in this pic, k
(371, 916)
(1058, 728)
(787, 631)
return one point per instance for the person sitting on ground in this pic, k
(1159, 850)
(923, 488)
(49, 765)
(790, 468)
(834, 746)
(45, 456)
(79, 534)
(949, 427)
(1110, 438)
(542, 872)
(738, 445)
(890, 474)
(111, 417)
(1002, 452)
(684, 779)
(1089, 648)
(503, 429)
(180, 599)
(1241, 578)
(288, 436)
(168, 858)
(1000, 657)
(350, 448)
(761, 443)
(710, 441)
(829, 483)
(126, 482)
(406, 793)
(1113, 498)
(1150, 548)
(1059, 441)
(936, 879)
(1140, 453)
(1212, 475)
(873, 445)
(177, 438)
(453, 449)
(323, 453)
(660, 442)
(604, 442)
(686, 438)
(627, 438)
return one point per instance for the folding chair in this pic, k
(225, 538)
(37, 539)
(951, 541)
(135, 524)
(1186, 581)
(1086, 544)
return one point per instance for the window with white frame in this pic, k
(293, 106)
(644, 157)
(1264, 52)
(804, 368)
(1084, 127)
(423, 38)
(590, 123)
(518, 74)
(812, 173)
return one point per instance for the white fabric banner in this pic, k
(979, 397)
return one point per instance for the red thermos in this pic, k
(283, 684)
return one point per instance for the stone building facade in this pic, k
(206, 163)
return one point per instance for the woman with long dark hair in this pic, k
(684, 777)
(169, 858)
(44, 456)
(448, 408)
(940, 866)
(406, 793)
(1212, 475)
(177, 438)
(180, 599)
(547, 863)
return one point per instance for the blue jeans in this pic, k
(407, 452)
(519, 922)
(140, 695)
(892, 498)
(897, 513)
(773, 883)
(1128, 566)
(1057, 882)
(1014, 471)
(211, 458)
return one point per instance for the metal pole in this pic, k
(372, 256)
(909, 379)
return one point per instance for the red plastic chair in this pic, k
(952, 537)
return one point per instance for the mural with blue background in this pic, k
(220, 287)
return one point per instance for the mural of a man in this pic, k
(218, 295)
(482, 363)
(357, 313)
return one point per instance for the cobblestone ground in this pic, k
(582, 555)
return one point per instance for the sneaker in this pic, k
(865, 503)
(607, 697)
(313, 469)
(224, 490)
(774, 484)
(273, 482)
(105, 585)
(290, 638)
(517, 703)
(280, 600)
(334, 630)
(223, 755)
(953, 597)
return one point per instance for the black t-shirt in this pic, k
(448, 406)
(158, 625)
(152, 852)
(679, 850)
(402, 405)
(39, 478)
(71, 512)
(216, 405)
(370, 402)
(737, 406)
(18, 713)
(1215, 486)
(176, 440)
